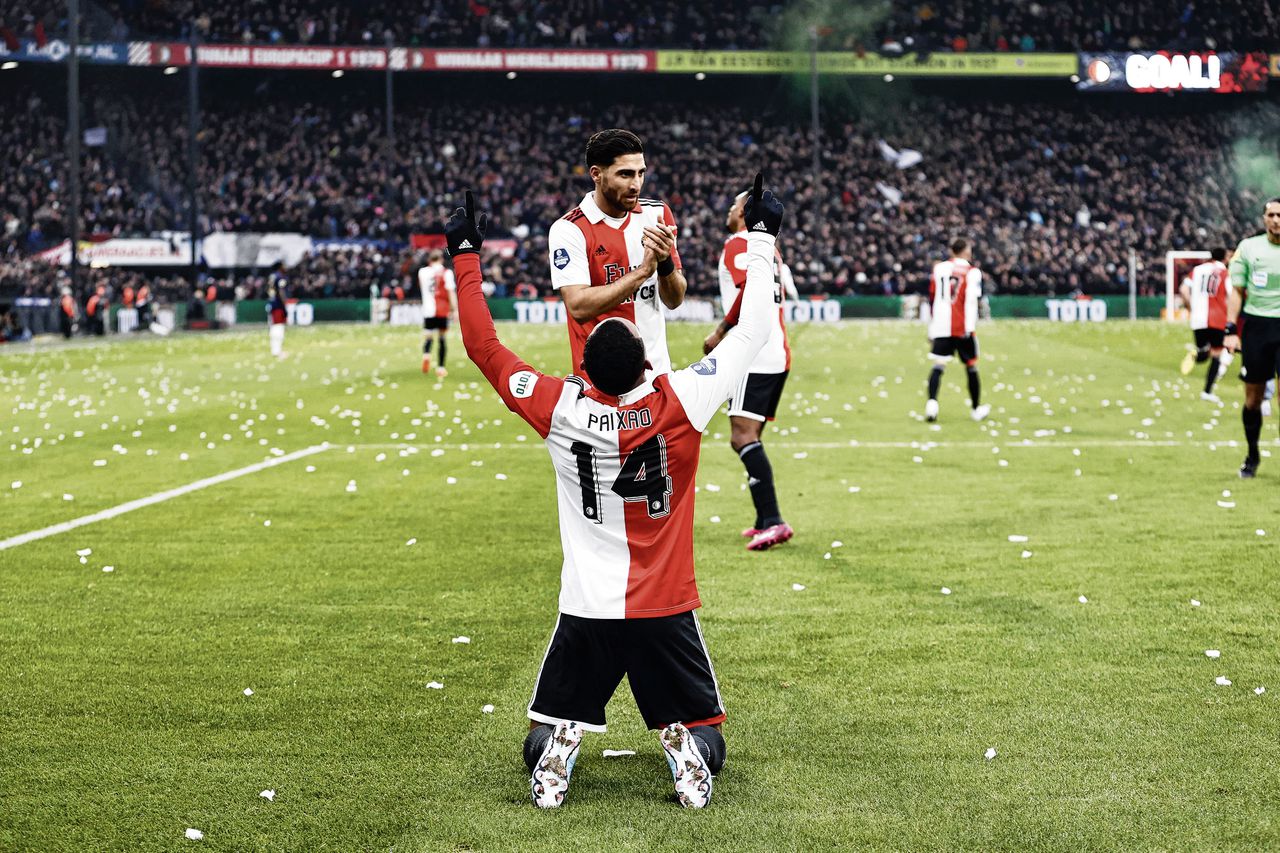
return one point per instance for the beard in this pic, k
(620, 200)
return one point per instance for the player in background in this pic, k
(277, 310)
(439, 304)
(1204, 291)
(625, 451)
(1255, 281)
(67, 312)
(755, 400)
(955, 287)
(600, 250)
(98, 309)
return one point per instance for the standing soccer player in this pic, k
(277, 310)
(600, 251)
(1205, 293)
(439, 304)
(625, 449)
(755, 400)
(955, 287)
(1255, 273)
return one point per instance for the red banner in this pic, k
(400, 58)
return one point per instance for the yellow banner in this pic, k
(936, 65)
(1275, 65)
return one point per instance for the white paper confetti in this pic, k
(917, 459)
(67, 497)
(1259, 690)
(711, 487)
(452, 481)
(1195, 603)
(797, 587)
(1113, 497)
(499, 476)
(946, 590)
(266, 523)
(990, 753)
(194, 834)
(826, 556)
(462, 640)
(853, 490)
(715, 519)
(108, 569)
(1212, 653)
(434, 685)
(1026, 554)
(837, 544)
(311, 469)
(268, 794)
(84, 552)
(1222, 681)
(1227, 504)
(1082, 600)
(617, 753)
(16, 484)
(1017, 537)
(1260, 532)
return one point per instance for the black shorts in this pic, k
(1209, 338)
(757, 396)
(1260, 348)
(431, 324)
(966, 348)
(665, 661)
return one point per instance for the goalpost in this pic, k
(1177, 265)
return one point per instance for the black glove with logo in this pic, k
(762, 212)
(464, 232)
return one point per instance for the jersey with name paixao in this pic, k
(1209, 295)
(436, 283)
(776, 355)
(588, 247)
(625, 466)
(954, 290)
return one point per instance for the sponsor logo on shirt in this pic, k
(1260, 279)
(706, 367)
(521, 383)
(560, 259)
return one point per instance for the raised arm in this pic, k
(528, 393)
(704, 386)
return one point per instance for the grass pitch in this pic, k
(860, 707)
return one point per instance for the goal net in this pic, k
(1177, 266)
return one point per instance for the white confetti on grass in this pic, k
(1082, 600)
(1260, 532)
(84, 552)
(248, 691)
(462, 640)
(1259, 690)
(108, 569)
(798, 587)
(1195, 603)
(452, 481)
(351, 485)
(715, 519)
(434, 685)
(946, 590)
(1026, 555)
(990, 753)
(1222, 681)
(837, 544)
(1017, 537)
(15, 485)
(711, 487)
(1113, 497)
(499, 476)
(617, 753)
(1212, 653)
(194, 834)
(1227, 504)
(268, 794)
(487, 709)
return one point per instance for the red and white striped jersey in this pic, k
(776, 355)
(954, 289)
(436, 283)
(625, 466)
(588, 247)
(1209, 288)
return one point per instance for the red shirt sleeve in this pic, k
(731, 319)
(527, 392)
(670, 222)
(734, 251)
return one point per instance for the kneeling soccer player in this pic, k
(625, 452)
(954, 291)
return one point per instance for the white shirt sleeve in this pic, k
(703, 386)
(449, 283)
(973, 293)
(789, 284)
(567, 251)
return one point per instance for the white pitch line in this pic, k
(1012, 444)
(159, 497)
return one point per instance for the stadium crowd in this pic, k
(1053, 194)
(910, 25)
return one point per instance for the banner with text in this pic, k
(870, 64)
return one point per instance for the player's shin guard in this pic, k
(935, 380)
(975, 386)
(534, 743)
(1211, 375)
(760, 474)
(711, 744)
(1252, 419)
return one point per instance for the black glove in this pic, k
(463, 232)
(762, 211)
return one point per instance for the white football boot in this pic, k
(980, 413)
(550, 781)
(689, 769)
(931, 411)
